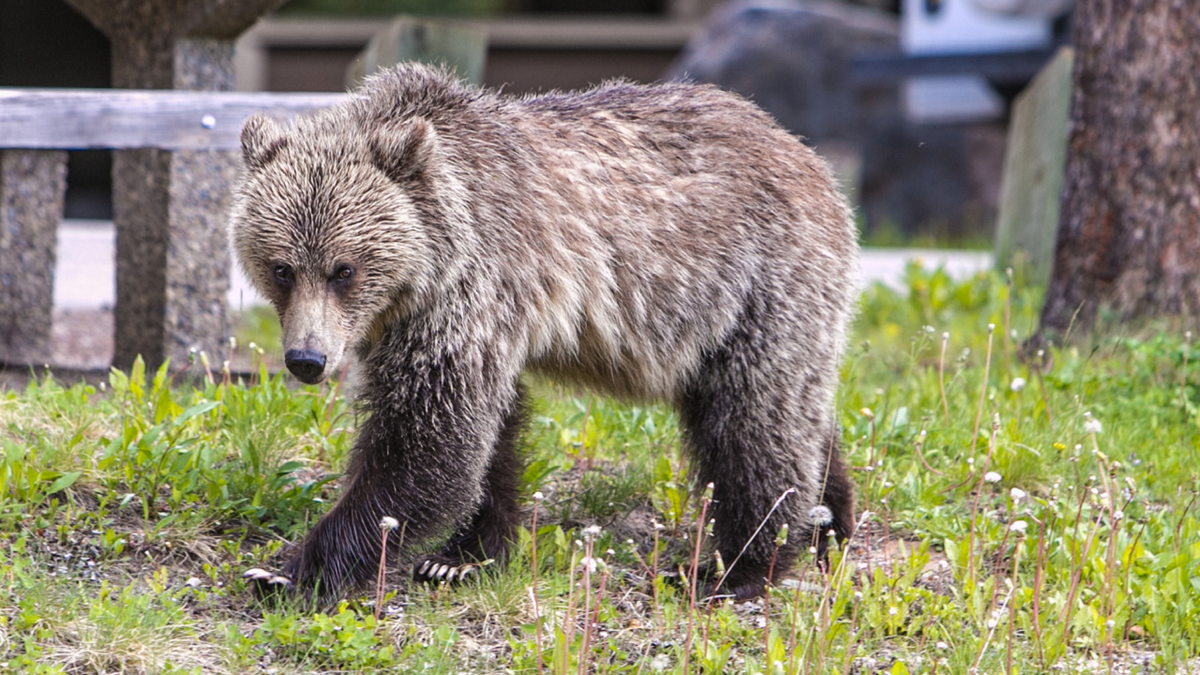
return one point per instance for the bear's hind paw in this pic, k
(440, 569)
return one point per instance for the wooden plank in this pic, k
(1034, 166)
(119, 119)
(998, 67)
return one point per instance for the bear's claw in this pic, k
(265, 579)
(435, 571)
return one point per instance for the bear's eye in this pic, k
(283, 274)
(343, 273)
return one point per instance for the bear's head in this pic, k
(327, 224)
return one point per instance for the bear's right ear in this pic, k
(262, 139)
(402, 149)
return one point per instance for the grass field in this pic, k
(1021, 512)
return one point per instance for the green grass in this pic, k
(1049, 527)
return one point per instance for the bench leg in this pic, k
(32, 185)
(172, 254)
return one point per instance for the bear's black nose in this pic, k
(305, 364)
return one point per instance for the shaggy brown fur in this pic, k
(662, 242)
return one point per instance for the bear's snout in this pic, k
(305, 364)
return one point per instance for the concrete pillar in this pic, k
(32, 185)
(169, 208)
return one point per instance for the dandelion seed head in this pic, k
(538, 496)
(1017, 494)
(820, 516)
(389, 523)
(1018, 384)
(1092, 426)
(992, 477)
(1019, 526)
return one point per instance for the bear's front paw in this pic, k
(445, 569)
(267, 583)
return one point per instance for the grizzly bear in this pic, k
(668, 243)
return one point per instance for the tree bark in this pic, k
(1129, 233)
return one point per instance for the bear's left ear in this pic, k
(403, 149)
(262, 139)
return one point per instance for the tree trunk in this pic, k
(1129, 238)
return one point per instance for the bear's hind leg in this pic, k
(487, 535)
(758, 424)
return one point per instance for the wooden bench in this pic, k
(172, 267)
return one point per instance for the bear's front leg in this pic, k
(486, 536)
(421, 457)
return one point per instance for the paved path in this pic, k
(86, 251)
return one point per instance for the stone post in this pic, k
(32, 185)
(169, 208)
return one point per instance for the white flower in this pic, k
(660, 663)
(943, 645)
(892, 611)
(389, 523)
(538, 496)
(1019, 526)
(1092, 426)
(1017, 494)
(591, 532)
(820, 515)
(991, 477)
(1018, 384)
(589, 563)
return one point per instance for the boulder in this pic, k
(794, 59)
